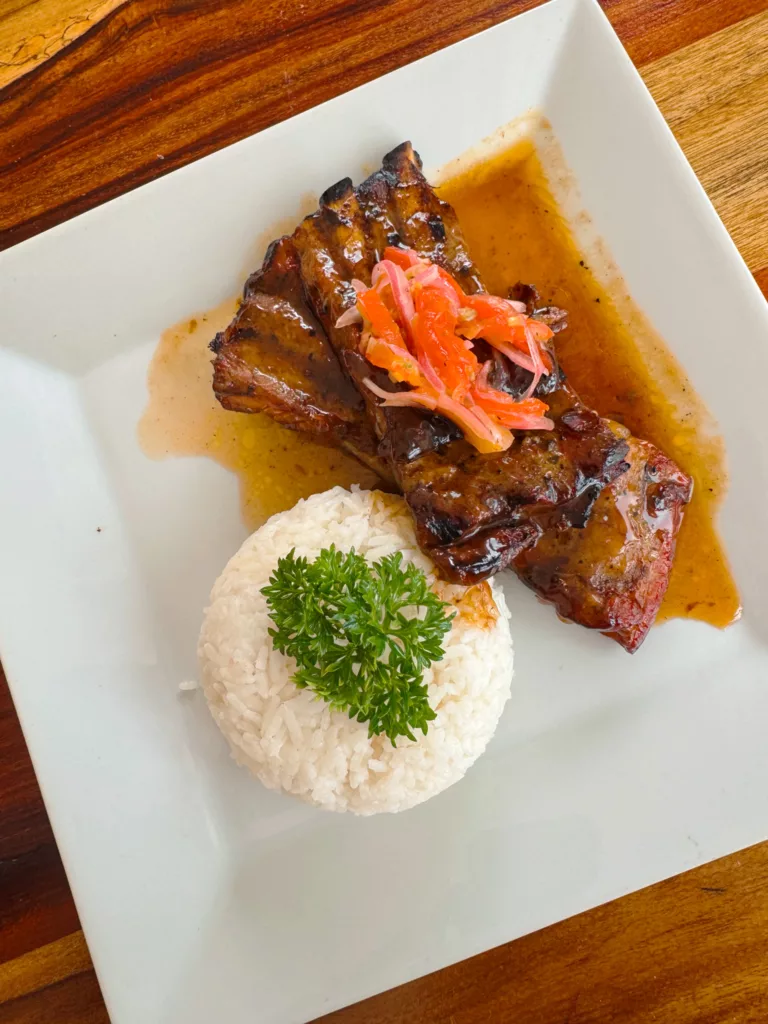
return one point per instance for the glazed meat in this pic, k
(473, 513)
(275, 358)
(611, 574)
(585, 514)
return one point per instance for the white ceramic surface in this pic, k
(203, 896)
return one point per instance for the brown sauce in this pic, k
(275, 466)
(610, 352)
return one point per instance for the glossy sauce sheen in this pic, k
(611, 354)
(275, 466)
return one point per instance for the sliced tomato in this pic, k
(479, 429)
(382, 322)
(518, 421)
(395, 359)
(419, 327)
(498, 322)
(498, 328)
(434, 335)
(452, 283)
(404, 258)
(435, 279)
(540, 331)
(518, 414)
(504, 407)
(490, 305)
(494, 319)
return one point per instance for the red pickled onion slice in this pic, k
(514, 355)
(539, 368)
(425, 276)
(416, 399)
(350, 316)
(426, 367)
(431, 277)
(387, 272)
(534, 423)
(481, 381)
(476, 426)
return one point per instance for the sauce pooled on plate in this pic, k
(613, 357)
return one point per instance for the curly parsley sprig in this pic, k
(362, 635)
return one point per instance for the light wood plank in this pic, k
(32, 31)
(714, 94)
(76, 1000)
(44, 966)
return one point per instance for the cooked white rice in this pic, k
(291, 740)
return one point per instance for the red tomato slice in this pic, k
(404, 258)
(518, 414)
(436, 358)
(396, 360)
(378, 315)
(434, 335)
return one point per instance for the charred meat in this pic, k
(552, 507)
(275, 358)
(473, 513)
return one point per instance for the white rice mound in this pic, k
(293, 741)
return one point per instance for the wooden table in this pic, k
(99, 96)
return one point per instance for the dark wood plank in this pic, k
(36, 906)
(650, 30)
(161, 82)
(35, 902)
(24, 822)
(158, 83)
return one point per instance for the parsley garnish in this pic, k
(362, 635)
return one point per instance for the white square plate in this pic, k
(203, 896)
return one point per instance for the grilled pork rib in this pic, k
(532, 506)
(473, 513)
(275, 358)
(611, 574)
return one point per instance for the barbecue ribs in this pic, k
(585, 514)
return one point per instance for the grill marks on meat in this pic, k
(585, 514)
(275, 358)
(612, 573)
(344, 239)
(609, 571)
(473, 513)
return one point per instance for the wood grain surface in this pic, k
(100, 96)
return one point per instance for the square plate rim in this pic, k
(103, 208)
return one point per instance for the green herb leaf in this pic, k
(362, 635)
